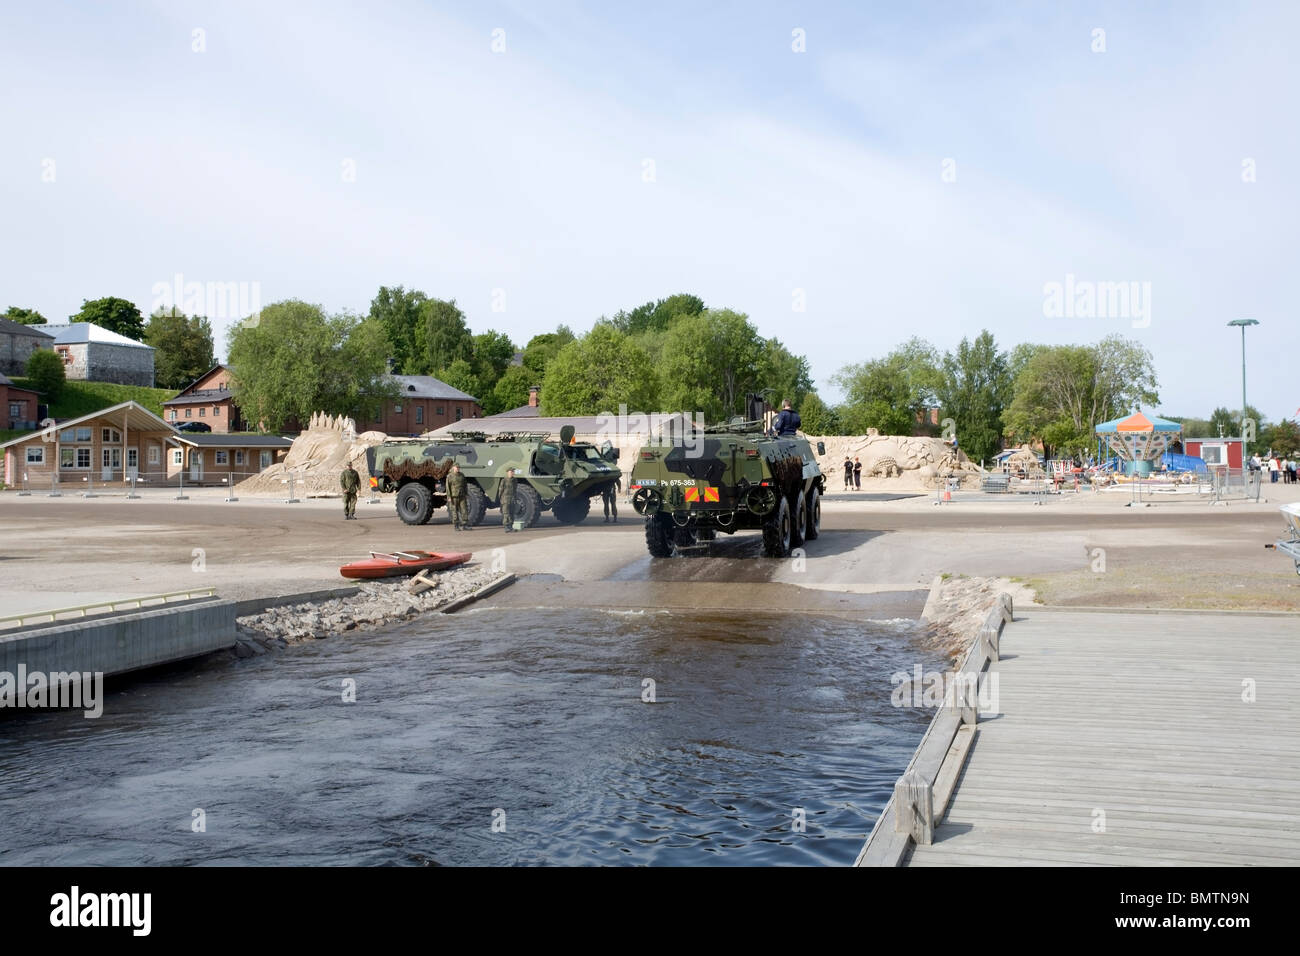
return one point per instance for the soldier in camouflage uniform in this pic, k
(350, 481)
(457, 506)
(508, 501)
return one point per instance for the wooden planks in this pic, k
(1130, 739)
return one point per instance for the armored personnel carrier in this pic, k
(728, 478)
(560, 476)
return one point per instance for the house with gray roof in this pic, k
(423, 403)
(94, 354)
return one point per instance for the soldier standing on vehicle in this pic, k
(456, 505)
(350, 481)
(610, 497)
(787, 423)
(508, 501)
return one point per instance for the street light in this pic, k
(1243, 323)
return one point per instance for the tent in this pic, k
(1139, 438)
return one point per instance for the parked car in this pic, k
(193, 427)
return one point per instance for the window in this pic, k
(266, 459)
(64, 353)
(172, 414)
(178, 456)
(75, 434)
(83, 434)
(441, 410)
(203, 413)
(110, 436)
(239, 457)
(67, 457)
(35, 454)
(133, 458)
(155, 454)
(216, 411)
(419, 414)
(83, 457)
(223, 457)
(187, 413)
(397, 409)
(16, 409)
(459, 412)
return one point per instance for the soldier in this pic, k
(610, 497)
(508, 501)
(350, 481)
(456, 504)
(787, 423)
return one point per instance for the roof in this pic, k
(523, 411)
(203, 376)
(80, 333)
(133, 416)
(5, 380)
(206, 396)
(233, 440)
(1219, 438)
(426, 386)
(1137, 422)
(10, 327)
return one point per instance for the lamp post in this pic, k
(1243, 323)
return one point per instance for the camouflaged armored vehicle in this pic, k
(560, 476)
(728, 478)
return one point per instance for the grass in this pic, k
(82, 398)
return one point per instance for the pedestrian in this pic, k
(610, 498)
(848, 473)
(456, 505)
(1272, 469)
(508, 501)
(857, 474)
(350, 481)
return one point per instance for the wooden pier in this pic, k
(1121, 738)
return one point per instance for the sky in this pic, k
(846, 174)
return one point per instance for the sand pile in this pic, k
(896, 461)
(317, 458)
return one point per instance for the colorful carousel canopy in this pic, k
(1139, 437)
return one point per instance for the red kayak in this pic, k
(384, 565)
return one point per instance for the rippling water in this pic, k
(538, 714)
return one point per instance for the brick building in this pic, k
(19, 407)
(207, 399)
(423, 404)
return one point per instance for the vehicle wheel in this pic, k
(776, 530)
(813, 526)
(414, 503)
(528, 506)
(571, 510)
(475, 502)
(659, 536)
(798, 520)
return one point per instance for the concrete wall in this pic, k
(121, 364)
(120, 643)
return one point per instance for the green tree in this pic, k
(116, 315)
(295, 360)
(818, 418)
(891, 394)
(45, 373)
(511, 390)
(974, 389)
(1283, 438)
(784, 375)
(710, 362)
(657, 316)
(460, 374)
(399, 311)
(183, 347)
(24, 316)
(443, 335)
(542, 348)
(596, 374)
(493, 352)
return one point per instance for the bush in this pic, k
(45, 373)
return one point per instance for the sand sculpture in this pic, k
(316, 459)
(896, 460)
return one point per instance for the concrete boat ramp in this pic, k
(1121, 738)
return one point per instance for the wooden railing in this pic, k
(922, 793)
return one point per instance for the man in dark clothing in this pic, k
(848, 473)
(610, 497)
(350, 481)
(457, 507)
(787, 423)
(508, 501)
(857, 474)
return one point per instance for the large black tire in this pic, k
(414, 503)
(475, 502)
(777, 530)
(528, 505)
(813, 526)
(798, 520)
(659, 536)
(571, 510)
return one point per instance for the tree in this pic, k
(511, 390)
(596, 374)
(399, 311)
(116, 315)
(710, 362)
(183, 347)
(891, 394)
(24, 316)
(460, 374)
(45, 373)
(818, 418)
(443, 337)
(493, 353)
(657, 316)
(1283, 439)
(542, 348)
(295, 360)
(1063, 392)
(974, 389)
(784, 375)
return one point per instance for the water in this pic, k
(535, 713)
